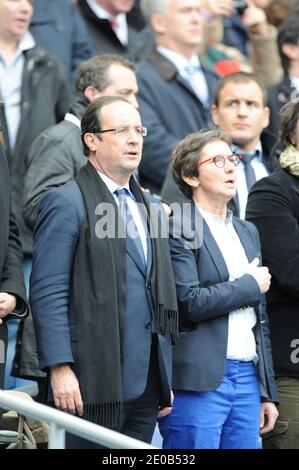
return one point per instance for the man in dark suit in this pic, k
(175, 91)
(102, 291)
(12, 288)
(239, 109)
(106, 23)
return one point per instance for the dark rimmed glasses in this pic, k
(219, 160)
(125, 131)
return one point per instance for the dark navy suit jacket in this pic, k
(206, 296)
(60, 215)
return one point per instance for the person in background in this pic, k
(57, 26)
(223, 380)
(273, 207)
(240, 110)
(175, 91)
(35, 92)
(13, 303)
(107, 24)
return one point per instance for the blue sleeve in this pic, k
(55, 241)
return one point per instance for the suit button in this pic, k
(148, 325)
(148, 285)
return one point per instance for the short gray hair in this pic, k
(148, 7)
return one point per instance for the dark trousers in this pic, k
(285, 434)
(139, 416)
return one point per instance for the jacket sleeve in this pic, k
(199, 302)
(270, 208)
(12, 280)
(49, 166)
(55, 240)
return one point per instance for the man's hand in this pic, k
(8, 303)
(269, 416)
(255, 19)
(167, 409)
(66, 391)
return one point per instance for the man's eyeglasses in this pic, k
(126, 131)
(219, 160)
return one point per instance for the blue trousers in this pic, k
(227, 418)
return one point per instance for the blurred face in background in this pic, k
(116, 6)
(15, 16)
(180, 26)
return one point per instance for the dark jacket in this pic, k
(55, 157)
(206, 296)
(103, 37)
(273, 206)
(57, 26)
(170, 110)
(11, 278)
(44, 102)
(278, 96)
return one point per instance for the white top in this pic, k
(198, 80)
(121, 30)
(133, 206)
(11, 76)
(241, 341)
(73, 119)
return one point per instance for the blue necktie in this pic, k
(131, 229)
(195, 77)
(249, 171)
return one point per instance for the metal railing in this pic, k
(60, 422)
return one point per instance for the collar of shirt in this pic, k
(295, 82)
(178, 60)
(25, 43)
(258, 151)
(73, 119)
(213, 219)
(112, 186)
(121, 19)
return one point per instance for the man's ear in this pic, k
(290, 50)
(91, 93)
(90, 140)
(158, 22)
(266, 117)
(214, 113)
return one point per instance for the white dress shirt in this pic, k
(11, 77)
(133, 206)
(121, 30)
(241, 341)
